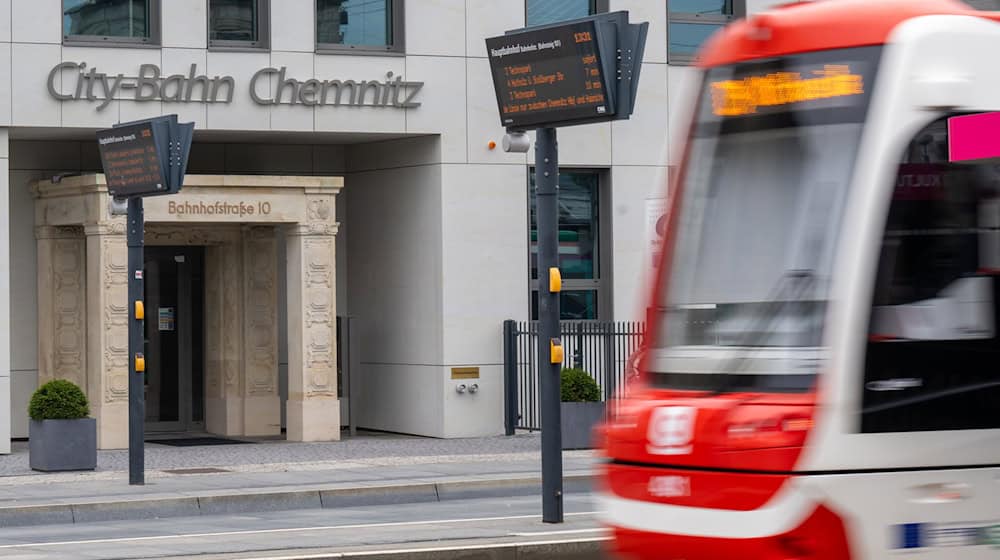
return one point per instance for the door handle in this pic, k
(940, 493)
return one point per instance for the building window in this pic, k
(111, 21)
(362, 25)
(238, 23)
(989, 5)
(581, 261)
(691, 22)
(933, 341)
(541, 12)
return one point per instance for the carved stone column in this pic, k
(223, 339)
(107, 331)
(262, 405)
(62, 304)
(313, 411)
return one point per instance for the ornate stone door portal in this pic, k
(83, 308)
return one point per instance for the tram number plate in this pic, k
(669, 486)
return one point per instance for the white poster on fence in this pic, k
(656, 227)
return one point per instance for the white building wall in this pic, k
(6, 363)
(432, 252)
(29, 162)
(485, 281)
(395, 283)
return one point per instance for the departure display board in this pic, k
(549, 76)
(131, 161)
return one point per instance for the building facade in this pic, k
(342, 167)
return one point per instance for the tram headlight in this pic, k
(763, 427)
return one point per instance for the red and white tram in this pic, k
(822, 375)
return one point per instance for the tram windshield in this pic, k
(770, 161)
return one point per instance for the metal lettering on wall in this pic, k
(219, 208)
(81, 83)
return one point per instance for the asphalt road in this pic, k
(481, 528)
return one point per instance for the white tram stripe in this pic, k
(786, 511)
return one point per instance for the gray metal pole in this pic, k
(547, 196)
(136, 385)
(510, 403)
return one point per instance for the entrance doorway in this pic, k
(174, 338)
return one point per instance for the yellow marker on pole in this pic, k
(555, 351)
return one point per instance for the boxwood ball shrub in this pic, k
(578, 386)
(58, 399)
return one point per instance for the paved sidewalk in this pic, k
(275, 476)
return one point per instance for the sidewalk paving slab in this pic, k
(267, 476)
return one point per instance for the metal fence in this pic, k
(601, 348)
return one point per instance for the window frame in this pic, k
(263, 41)
(398, 46)
(863, 423)
(603, 283)
(600, 7)
(683, 59)
(152, 41)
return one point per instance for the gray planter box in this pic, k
(578, 421)
(62, 445)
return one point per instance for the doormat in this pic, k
(195, 441)
(197, 470)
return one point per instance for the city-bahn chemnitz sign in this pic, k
(80, 82)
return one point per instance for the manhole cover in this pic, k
(199, 470)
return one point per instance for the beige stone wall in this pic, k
(83, 311)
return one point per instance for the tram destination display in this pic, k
(131, 160)
(145, 158)
(549, 75)
(576, 72)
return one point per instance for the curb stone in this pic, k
(136, 508)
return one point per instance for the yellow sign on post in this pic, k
(555, 281)
(555, 351)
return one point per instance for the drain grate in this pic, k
(198, 470)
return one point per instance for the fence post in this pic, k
(509, 376)
(610, 359)
(578, 352)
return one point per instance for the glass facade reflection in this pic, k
(106, 18)
(574, 305)
(687, 38)
(364, 23)
(578, 225)
(692, 22)
(233, 20)
(579, 243)
(540, 12)
(702, 7)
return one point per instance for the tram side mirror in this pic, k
(942, 92)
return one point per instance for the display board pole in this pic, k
(136, 367)
(546, 197)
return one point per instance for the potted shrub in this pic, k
(61, 436)
(581, 408)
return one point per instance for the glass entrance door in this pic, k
(174, 284)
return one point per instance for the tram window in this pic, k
(933, 343)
